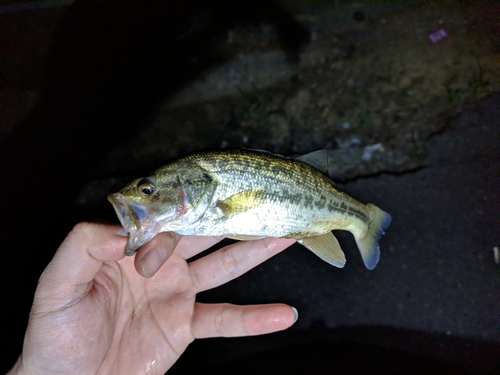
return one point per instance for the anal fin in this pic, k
(326, 247)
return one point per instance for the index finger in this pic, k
(185, 246)
(234, 260)
(189, 246)
(151, 256)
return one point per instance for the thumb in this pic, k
(79, 259)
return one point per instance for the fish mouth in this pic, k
(125, 212)
(134, 219)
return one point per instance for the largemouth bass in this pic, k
(244, 194)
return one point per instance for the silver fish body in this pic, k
(245, 194)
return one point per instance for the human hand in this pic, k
(93, 312)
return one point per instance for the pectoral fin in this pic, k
(326, 247)
(241, 202)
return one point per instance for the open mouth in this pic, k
(125, 212)
(134, 219)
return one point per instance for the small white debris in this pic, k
(224, 144)
(352, 141)
(370, 150)
(244, 139)
(496, 254)
(346, 125)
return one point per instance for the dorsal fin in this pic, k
(265, 152)
(317, 159)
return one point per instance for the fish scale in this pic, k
(234, 167)
(247, 194)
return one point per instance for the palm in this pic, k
(148, 323)
(121, 322)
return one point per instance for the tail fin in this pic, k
(368, 245)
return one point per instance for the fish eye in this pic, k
(146, 186)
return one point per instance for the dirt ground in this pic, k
(372, 91)
(370, 86)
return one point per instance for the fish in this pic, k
(250, 194)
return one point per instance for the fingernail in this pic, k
(153, 261)
(296, 313)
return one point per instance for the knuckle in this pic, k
(229, 262)
(219, 320)
(229, 320)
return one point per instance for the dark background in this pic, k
(431, 305)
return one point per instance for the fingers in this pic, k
(226, 320)
(234, 260)
(81, 254)
(154, 254)
(80, 257)
(151, 256)
(193, 245)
